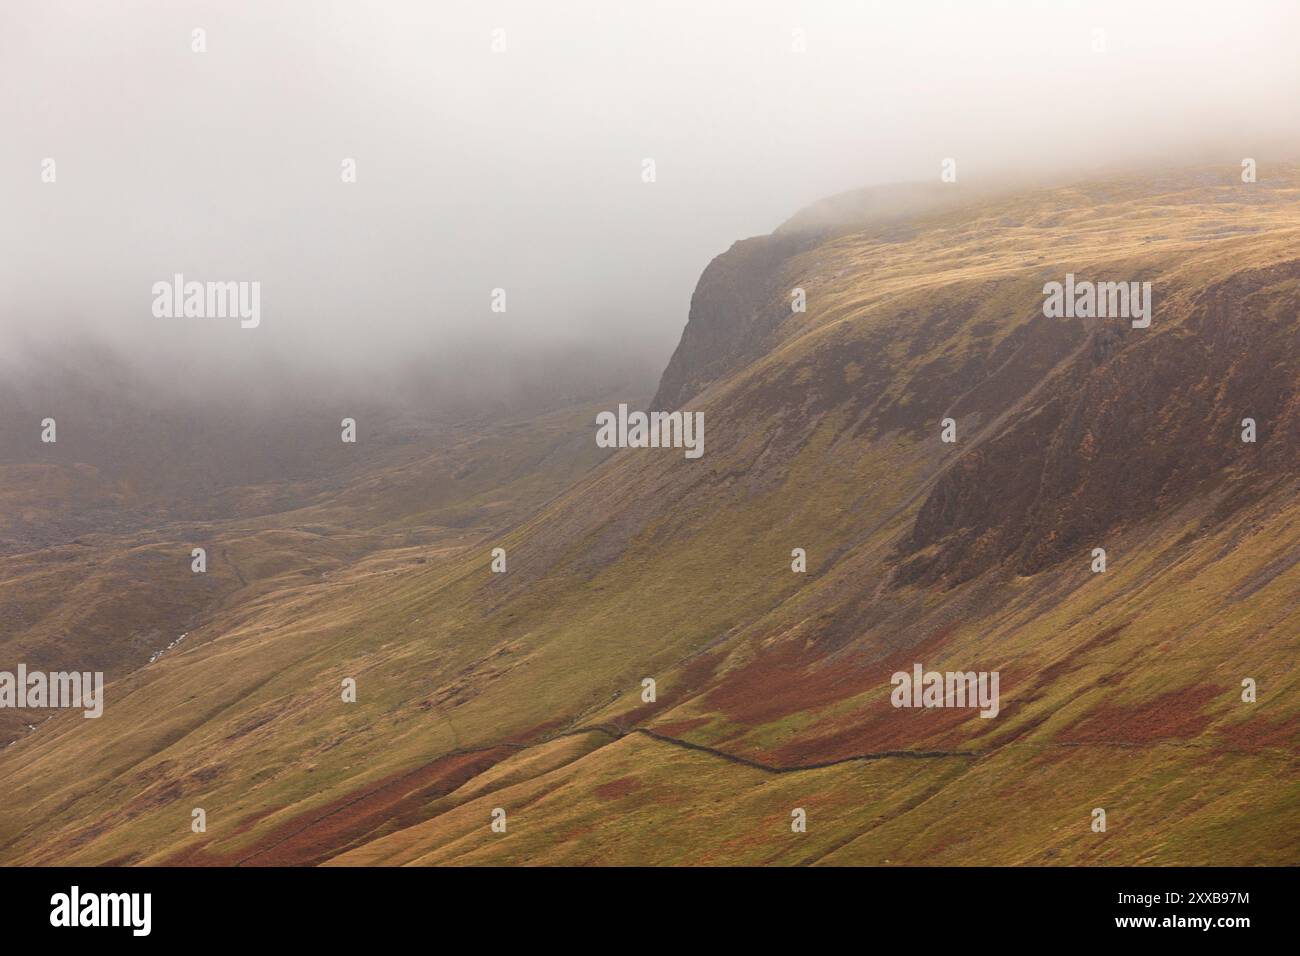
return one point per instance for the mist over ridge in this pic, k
(522, 170)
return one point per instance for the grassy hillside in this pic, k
(522, 691)
(109, 591)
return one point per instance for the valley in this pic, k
(522, 690)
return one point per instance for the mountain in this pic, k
(1120, 690)
(97, 535)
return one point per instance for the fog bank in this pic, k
(505, 146)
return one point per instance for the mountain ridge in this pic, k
(1119, 689)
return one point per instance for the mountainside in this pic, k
(1120, 689)
(95, 567)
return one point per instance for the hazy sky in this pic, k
(523, 169)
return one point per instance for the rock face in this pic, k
(732, 312)
(743, 294)
(1134, 424)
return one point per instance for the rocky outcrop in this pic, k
(1133, 425)
(741, 297)
(735, 305)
